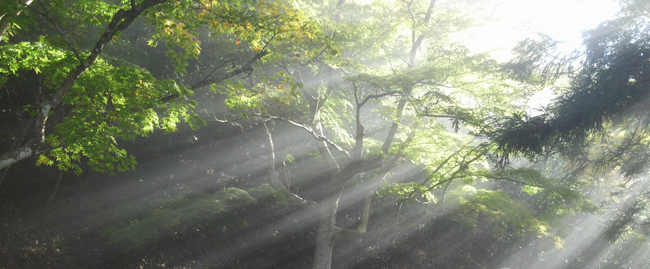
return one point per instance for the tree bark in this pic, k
(273, 176)
(30, 149)
(395, 124)
(328, 206)
(326, 233)
(326, 216)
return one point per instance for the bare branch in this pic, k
(244, 132)
(516, 181)
(309, 130)
(218, 120)
(441, 165)
(375, 96)
(226, 61)
(246, 68)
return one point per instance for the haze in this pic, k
(324, 134)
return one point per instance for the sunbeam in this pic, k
(324, 134)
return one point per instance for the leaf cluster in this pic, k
(107, 103)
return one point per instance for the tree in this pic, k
(369, 104)
(103, 101)
(600, 122)
(422, 91)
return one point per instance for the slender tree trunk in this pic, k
(395, 125)
(56, 189)
(273, 176)
(4, 175)
(365, 211)
(326, 213)
(326, 233)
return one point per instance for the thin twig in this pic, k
(246, 68)
(4, 175)
(244, 132)
(56, 189)
(47, 16)
(517, 181)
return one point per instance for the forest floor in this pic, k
(131, 219)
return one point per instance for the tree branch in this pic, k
(246, 68)
(349, 235)
(5, 19)
(121, 20)
(375, 96)
(442, 164)
(357, 167)
(309, 130)
(31, 148)
(45, 14)
(516, 181)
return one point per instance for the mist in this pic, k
(324, 134)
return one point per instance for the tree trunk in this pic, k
(327, 232)
(326, 213)
(273, 176)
